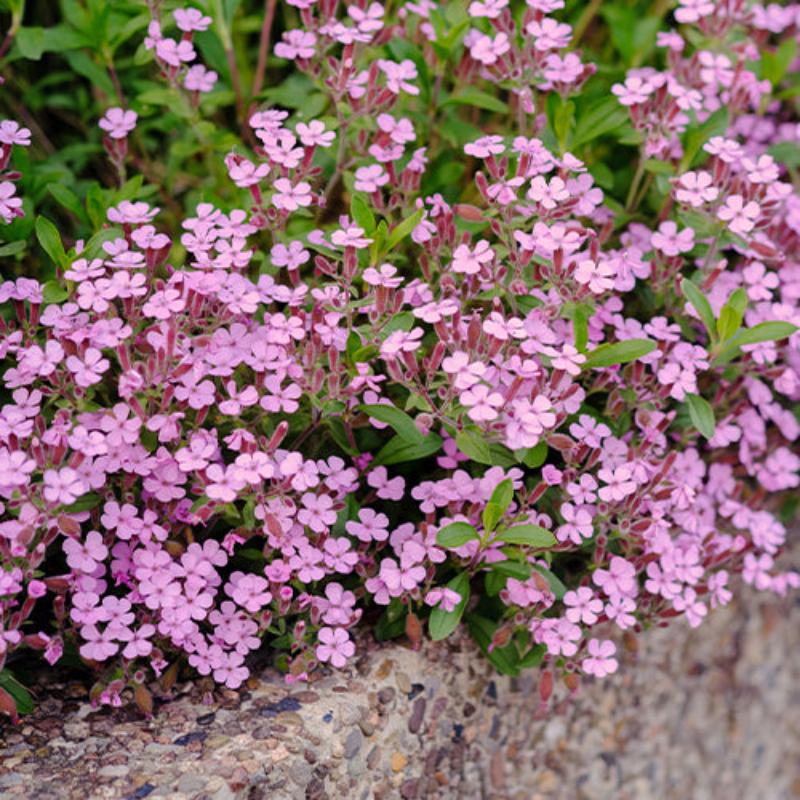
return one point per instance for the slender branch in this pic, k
(585, 20)
(263, 47)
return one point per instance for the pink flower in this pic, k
(670, 242)
(334, 646)
(444, 598)
(740, 216)
(87, 556)
(290, 197)
(399, 76)
(600, 661)
(598, 276)
(118, 122)
(63, 486)
(482, 402)
(487, 50)
(200, 79)
(695, 189)
(371, 178)
(583, 606)
(371, 526)
(618, 579)
(191, 19)
(469, 261)
(619, 484)
(296, 44)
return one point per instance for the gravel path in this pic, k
(712, 714)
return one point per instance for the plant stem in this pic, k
(263, 47)
(585, 20)
(637, 179)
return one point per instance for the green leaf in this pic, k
(442, 623)
(553, 581)
(521, 570)
(491, 516)
(31, 43)
(602, 118)
(362, 214)
(50, 240)
(691, 291)
(533, 657)
(608, 355)
(474, 446)
(402, 230)
(67, 198)
(456, 534)
(503, 494)
(716, 125)
(53, 292)
(401, 422)
(774, 65)
(504, 659)
(19, 694)
(13, 248)
(474, 97)
(766, 332)
(85, 503)
(530, 535)
(702, 415)
(397, 450)
(535, 456)
(731, 315)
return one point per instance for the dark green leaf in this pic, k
(702, 415)
(504, 659)
(607, 355)
(50, 240)
(399, 232)
(556, 586)
(397, 450)
(535, 456)
(362, 214)
(456, 534)
(731, 315)
(691, 291)
(474, 97)
(474, 446)
(531, 535)
(442, 623)
(401, 422)
(521, 570)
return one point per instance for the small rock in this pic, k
(206, 719)
(403, 682)
(417, 715)
(398, 762)
(416, 690)
(190, 783)
(189, 738)
(386, 695)
(113, 771)
(352, 743)
(144, 790)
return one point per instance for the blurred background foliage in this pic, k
(65, 62)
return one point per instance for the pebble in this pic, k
(190, 738)
(398, 762)
(352, 744)
(386, 695)
(403, 682)
(417, 715)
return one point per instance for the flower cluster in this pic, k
(349, 399)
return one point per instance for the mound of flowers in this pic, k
(440, 362)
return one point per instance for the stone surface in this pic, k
(712, 714)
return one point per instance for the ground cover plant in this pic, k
(326, 322)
